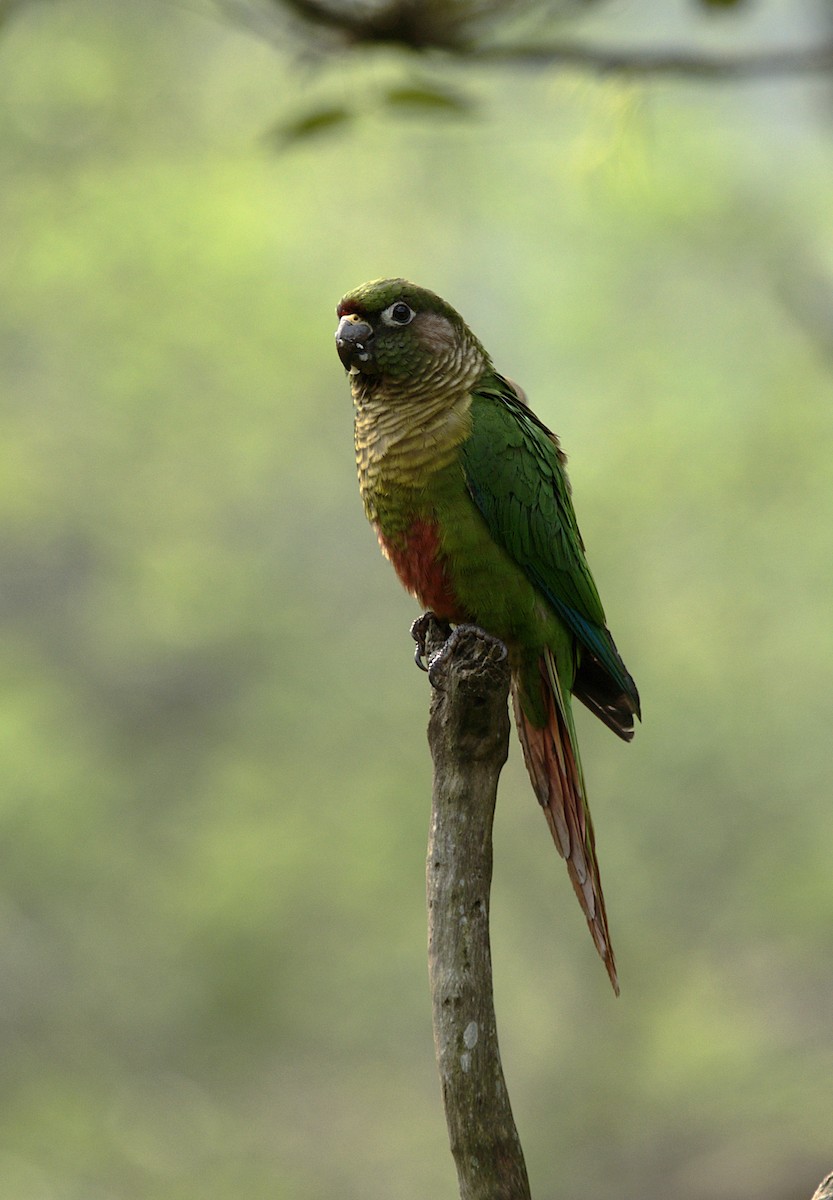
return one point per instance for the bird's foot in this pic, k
(421, 632)
(458, 633)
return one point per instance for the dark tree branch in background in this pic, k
(604, 60)
(466, 29)
(468, 733)
(446, 36)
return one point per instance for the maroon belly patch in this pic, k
(417, 560)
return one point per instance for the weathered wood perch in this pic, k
(468, 733)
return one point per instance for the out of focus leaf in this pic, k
(429, 97)
(310, 124)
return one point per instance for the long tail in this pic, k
(552, 759)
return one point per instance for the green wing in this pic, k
(515, 474)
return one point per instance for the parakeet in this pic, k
(468, 493)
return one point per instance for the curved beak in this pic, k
(354, 342)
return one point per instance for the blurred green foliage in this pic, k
(215, 782)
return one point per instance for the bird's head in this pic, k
(390, 330)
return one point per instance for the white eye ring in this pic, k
(398, 313)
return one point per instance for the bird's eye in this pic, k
(398, 314)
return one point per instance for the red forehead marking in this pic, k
(346, 307)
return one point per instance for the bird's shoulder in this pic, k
(510, 446)
(515, 473)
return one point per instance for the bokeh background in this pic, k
(214, 779)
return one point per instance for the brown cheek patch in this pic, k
(435, 332)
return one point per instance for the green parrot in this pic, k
(468, 493)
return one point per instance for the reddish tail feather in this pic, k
(552, 761)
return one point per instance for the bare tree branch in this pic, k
(825, 1189)
(470, 31)
(468, 733)
(609, 60)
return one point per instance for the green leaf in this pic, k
(428, 97)
(310, 124)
